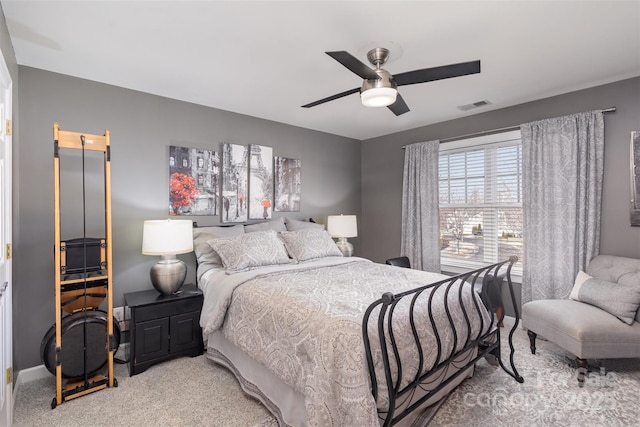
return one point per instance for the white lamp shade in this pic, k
(342, 225)
(166, 237)
(378, 97)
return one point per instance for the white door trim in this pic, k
(6, 240)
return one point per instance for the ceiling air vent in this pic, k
(474, 105)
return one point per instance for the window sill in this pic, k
(453, 270)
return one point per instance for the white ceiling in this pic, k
(266, 58)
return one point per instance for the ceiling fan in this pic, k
(380, 88)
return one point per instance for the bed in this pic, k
(325, 340)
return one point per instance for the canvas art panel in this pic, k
(234, 182)
(193, 181)
(635, 178)
(260, 182)
(287, 184)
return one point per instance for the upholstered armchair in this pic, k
(599, 320)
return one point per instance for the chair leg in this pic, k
(582, 370)
(532, 341)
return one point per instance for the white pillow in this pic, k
(276, 224)
(205, 255)
(619, 299)
(294, 224)
(309, 243)
(580, 279)
(250, 250)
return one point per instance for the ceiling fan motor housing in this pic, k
(379, 92)
(384, 80)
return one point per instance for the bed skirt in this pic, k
(287, 405)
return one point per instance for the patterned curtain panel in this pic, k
(563, 164)
(420, 213)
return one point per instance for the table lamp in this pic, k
(342, 227)
(167, 238)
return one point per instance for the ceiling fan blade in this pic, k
(399, 107)
(331, 98)
(437, 73)
(353, 64)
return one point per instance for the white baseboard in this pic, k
(27, 375)
(31, 374)
(38, 372)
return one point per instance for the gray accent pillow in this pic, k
(276, 224)
(619, 299)
(309, 243)
(250, 250)
(616, 269)
(205, 255)
(294, 224)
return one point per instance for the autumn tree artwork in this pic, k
(193, 181)
(182, 192)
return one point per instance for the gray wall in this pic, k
(142, 127)
(382, 164)
(340, 175)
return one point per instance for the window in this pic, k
(480, 185)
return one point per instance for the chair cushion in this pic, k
(582, 329)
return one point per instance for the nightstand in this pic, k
(162, 326)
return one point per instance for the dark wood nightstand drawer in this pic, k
(168, 308)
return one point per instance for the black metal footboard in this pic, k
(403, 381)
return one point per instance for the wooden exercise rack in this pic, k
(85, 290)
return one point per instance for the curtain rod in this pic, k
(504, 129)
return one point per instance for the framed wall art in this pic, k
(260, 182)
(635, 178)
(287, 184)
(193, 181)
(234, 182)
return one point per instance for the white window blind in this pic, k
(480, 185)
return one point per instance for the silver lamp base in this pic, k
(345, 247)
(168, 274)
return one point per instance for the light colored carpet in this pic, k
(181, 392)
(549, 396)
(195, 392)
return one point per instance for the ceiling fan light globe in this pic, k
(378, 97)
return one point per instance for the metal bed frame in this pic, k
(404, 400)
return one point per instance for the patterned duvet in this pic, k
(304, 323)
